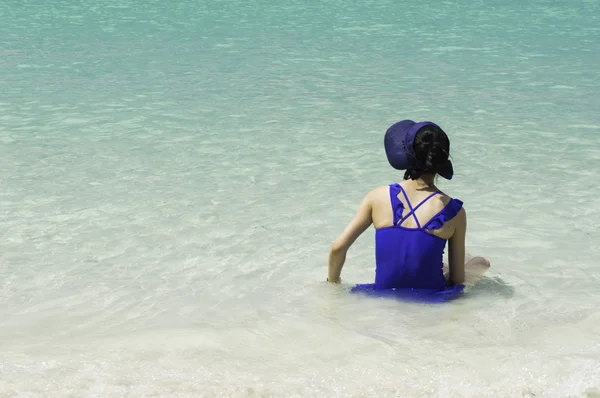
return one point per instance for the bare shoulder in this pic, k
(376, 193)
(445, 199)
(379, 194)
(459, 221)
(380, 190)
(373, 197)
(460, 218)
(442, 198)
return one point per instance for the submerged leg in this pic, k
(474, 270)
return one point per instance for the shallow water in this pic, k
(172, 176)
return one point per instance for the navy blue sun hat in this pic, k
(398, 142)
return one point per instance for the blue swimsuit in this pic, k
(409, 261)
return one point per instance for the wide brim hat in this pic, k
(398, 142)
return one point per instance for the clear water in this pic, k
(173, 173)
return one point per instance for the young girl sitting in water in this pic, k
(413, 221)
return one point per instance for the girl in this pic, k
(413, 221)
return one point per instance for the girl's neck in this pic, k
(423, 182)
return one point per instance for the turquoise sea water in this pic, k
(173, 173)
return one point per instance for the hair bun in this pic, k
(432, 149)
(436, 155)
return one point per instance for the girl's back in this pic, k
(413, 220)
(383, 216)
(412, 226)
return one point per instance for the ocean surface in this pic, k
(172, 175)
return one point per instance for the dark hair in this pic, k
(431, 148)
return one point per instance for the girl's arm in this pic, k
(359, 223)
(456, 250)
